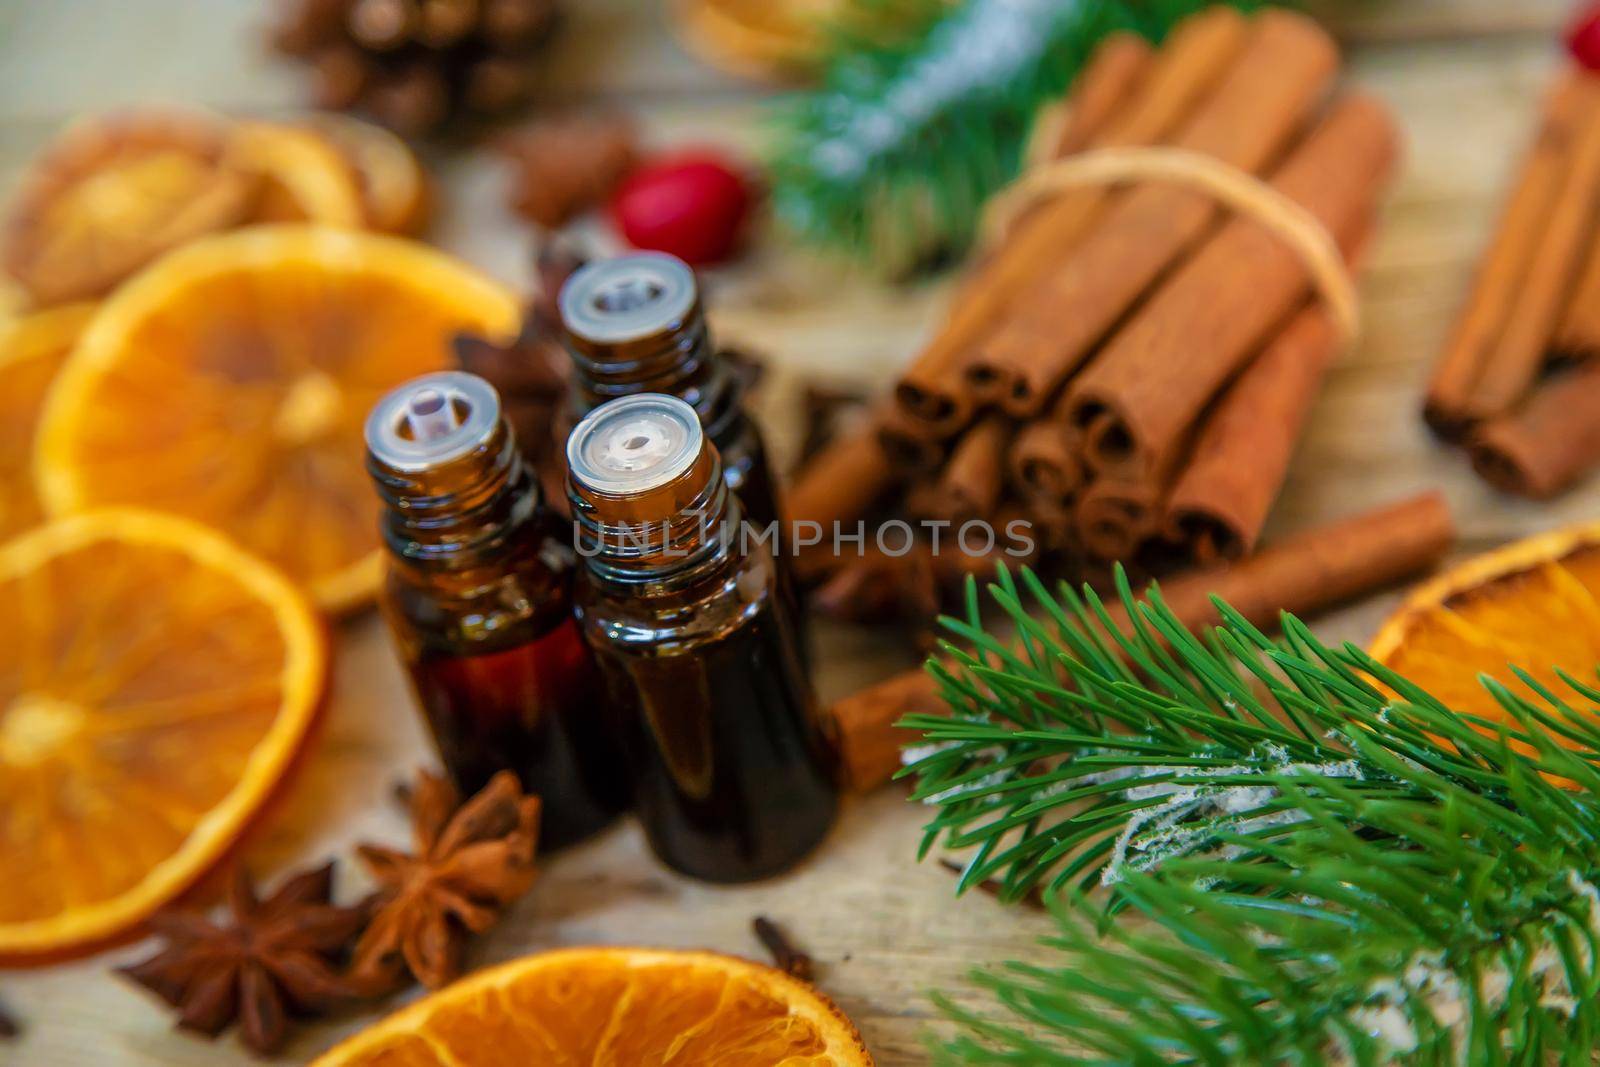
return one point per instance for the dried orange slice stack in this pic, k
(229, 382)
(614, 1007)
(33, 348)
(390, 181)
(155, 683)
(768, 39)
(1534, 604)
(303, 176)
(113, 194)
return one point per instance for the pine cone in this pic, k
(418, 65)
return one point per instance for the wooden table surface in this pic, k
(1463, 76)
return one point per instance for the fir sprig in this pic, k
(1074, 757)
(1333, 866)
(893, 156)
(1454, 942)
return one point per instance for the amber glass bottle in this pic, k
(479, 597)
(635, 324)
(734, 777)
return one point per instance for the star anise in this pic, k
(564, 164)
(275, 958)
(471, 861)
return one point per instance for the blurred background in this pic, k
(828, 185)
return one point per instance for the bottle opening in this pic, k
(432, 419)
(430, 415)
(634, 444)
(627, 294)
(618, 300)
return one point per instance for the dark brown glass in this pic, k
(479, 597)
(734, 775)
(677, 358)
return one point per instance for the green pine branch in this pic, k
(1327, 871)
(892, 157)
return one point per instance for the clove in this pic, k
(785, 956)
(992, 886)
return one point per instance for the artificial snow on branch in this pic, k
(892, 157)
(1331, 865)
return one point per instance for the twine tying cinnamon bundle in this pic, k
(1500, 385)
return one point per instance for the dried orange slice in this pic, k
(113, 194)
(1533, 604)
(304, 178)
(228, 383)
(155, 683)
(758, 38)
(32, 349)
(614, 1007)
(391, 182)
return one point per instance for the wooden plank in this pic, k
(1435, 20)
(884, 928)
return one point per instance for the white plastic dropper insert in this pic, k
(432, 420)
(613, 301)
(634, 444)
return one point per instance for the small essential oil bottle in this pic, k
(479, 597)
(734, 776)
(635, 324)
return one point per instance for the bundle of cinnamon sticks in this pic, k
(1129, 368)
(1518, 383)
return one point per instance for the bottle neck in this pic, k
(677, 359)
(460, 513)
(663, 540)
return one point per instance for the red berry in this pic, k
(1583, 39)
(691, 204)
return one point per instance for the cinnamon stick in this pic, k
(1239, 459)
(1045, 459)
(1303, 575)
(1114, 515)
(1240, 455)
(1055, 525)
(1191, 62)
(910, 443)
(1578, 333)
(1139, 399)
(837, 486)
(1113, 72)
(1519, 354)
(1500, 339)
(970, 484)
(1282, 73)
(842, 481)
(1550, 442)
(1195, 54)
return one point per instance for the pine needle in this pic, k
(1326, 863)
(892, 157)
